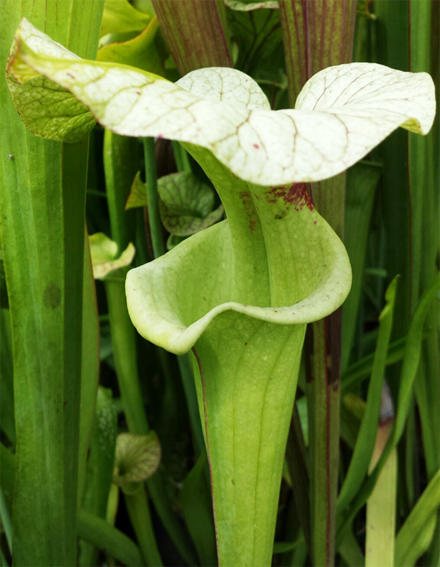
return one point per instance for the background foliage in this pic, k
(152, 504)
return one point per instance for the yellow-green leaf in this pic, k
(105, 257)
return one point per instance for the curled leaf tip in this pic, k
(106, 258)
(137, 458)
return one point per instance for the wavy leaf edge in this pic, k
(179, 338)
(341, 113)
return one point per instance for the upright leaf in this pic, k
(90, 366)
(365, 441)
(415, 535)
(362, 180)
(6, 377)
(194, 32)
(42, 230)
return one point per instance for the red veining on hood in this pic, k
(295, 195)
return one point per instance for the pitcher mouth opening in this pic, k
(170, 309)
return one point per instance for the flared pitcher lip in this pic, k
(178, 338)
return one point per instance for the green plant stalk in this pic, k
(424, 45)
(410, 365)
(124, 352)
(99, 468)
(323, 399)
(317, 35)
(42, 207)
(99, 533)
(91, 528)
(89, 366)
(7, 469)
(140, 517)
(156, 233)
(350, 551)
(7, 421)
(297, 464)
(119, 152)
(121, 163)
(181, 157)
(5, 518)
(423, 177)
(361, 369)
(415, 535)
(364, 447)
(191, 399)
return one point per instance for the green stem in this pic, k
(6, 520)
(90, 366)
(104, 536)
(323, 397)
(124, 352)
(121, 163)
(120, 167)
(99, 468)
(112, 504)
(110, 516)
(153, 198)
(7, 418)
(181, 157)
(424, 44)
(140, 518)
(7, 469)
(296, 461)
(191, 399)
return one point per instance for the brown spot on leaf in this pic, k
(248, 204)
(52, 296)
